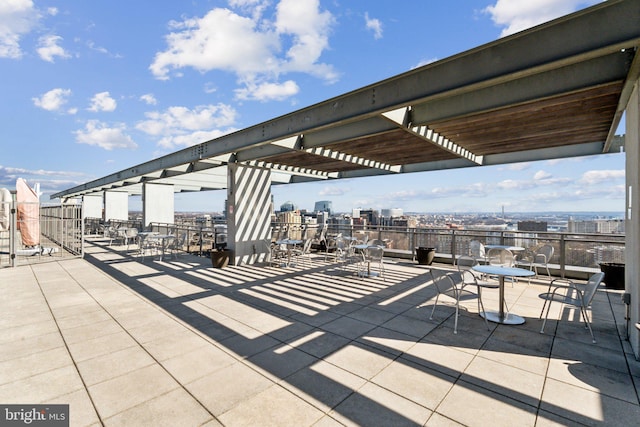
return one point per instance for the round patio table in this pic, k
(291, 244)
(502, 272)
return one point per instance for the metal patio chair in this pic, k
(575, 295)
(451, 284)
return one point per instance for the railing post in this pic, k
(412, 243)
(563, 247)
(453, 246)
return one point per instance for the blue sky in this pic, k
(89, 88)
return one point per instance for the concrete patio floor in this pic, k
(179, 343)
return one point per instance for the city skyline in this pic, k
(109, 90)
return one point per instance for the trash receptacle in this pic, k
(613, 274)
(425, 255)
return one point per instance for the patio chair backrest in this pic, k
(465, 262)
(477, 250)
(442, 281)
(374, 253)
(591, 287)
(499, 256)
(544, 254)
(376, 242)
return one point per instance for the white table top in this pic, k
(288, 242)
(507, 247)
(503, 271)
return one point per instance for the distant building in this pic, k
(342, 224)
(290, 223)
(532, 225)
(604, 226)
(288, 207)
(324, 206)
(405, 222)
(370, 215)
(391, 213)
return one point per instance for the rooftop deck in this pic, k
(180, 343)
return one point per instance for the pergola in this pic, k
(554, 91)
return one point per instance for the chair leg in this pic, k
(547, 315)
(583, 310)
(455, 322)
(434, 307)
(481, 305)
(543, 306)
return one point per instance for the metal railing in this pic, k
(572, 251)
(48, 233)
(62, 225)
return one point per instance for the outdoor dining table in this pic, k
(361, 247)
(291, 244)
(164, 241)
(502, 272)
(507, 247)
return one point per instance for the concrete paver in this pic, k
(126, 342)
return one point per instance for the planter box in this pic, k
(613, 275)
(220, 259)
(425, 255)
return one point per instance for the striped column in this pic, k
(249, 213)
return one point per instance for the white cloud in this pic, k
(210, 88)
(477, 189)
(256, 49)
(518, 15)
(50, 180)
(255, 8)
(403, 195)
(268, 91)
(181, 126)
(17, 18)
(518, 166)
(540, 175)
(600, 176)
(220, 40)
(334, 190)
(93, 46)
(54, 100)
(541, 178)
(374, 25)
(8, 170)
(149, 99)
(102, 102)
(48, 48)
(190, 139)
(309, 27)
(605, 192)
(101, 135)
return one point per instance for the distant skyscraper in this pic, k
(532, 225)
(288, 207)
(391, 213)
(324, 206)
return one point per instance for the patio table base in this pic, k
(508, 319)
